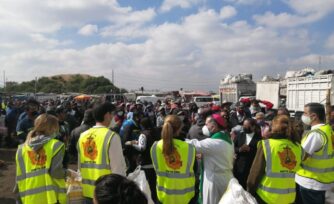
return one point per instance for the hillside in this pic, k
(81, 83)
(69, 77)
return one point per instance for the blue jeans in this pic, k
(308, 196)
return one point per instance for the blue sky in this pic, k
(164, 44)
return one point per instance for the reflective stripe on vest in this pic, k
(277, 190)
(90, 172)
(173, 175)
(41, 190)
(33, 179)
(175, 191)
(320, 165)
(174, 184)
(278, 183)
(39, 172)
(269, 171)
(104, 164)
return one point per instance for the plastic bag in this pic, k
(139, 177)
(236, 194)
(74, 189)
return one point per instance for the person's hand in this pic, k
(134, 142)
(244, 148)
(128, 143)
(131, 142)
(71, 173)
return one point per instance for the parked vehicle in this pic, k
(115, 98)
(303, 90)
(202, 100)
(272, 91)
(231, 92)
(152, 99)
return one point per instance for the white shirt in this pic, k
(142, 142)
(313, 143)
(249, 137)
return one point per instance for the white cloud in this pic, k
(167, 5)
(227, 12)
(330, 42)
(312, 60)
(88, 30)
(306, 11)
(247, 2)
(20, 20)
(133, 27)
(195, 53)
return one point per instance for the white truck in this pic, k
(272, 91)
(231, 92)
(303, 90)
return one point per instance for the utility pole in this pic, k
(4, 81)
(113, 77)
(35, 87)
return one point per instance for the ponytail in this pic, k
(167, 138)
(30, 135)
(170, 128)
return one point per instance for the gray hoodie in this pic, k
(56, 170)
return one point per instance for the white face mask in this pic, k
(181, 117)
(112, 123)
(206, 131)
(306, 120)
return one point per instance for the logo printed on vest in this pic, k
(37, 158)
(90, 149)
(174, 160)
(288, 158)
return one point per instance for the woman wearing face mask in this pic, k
(245, 146)
(217, 154)
(39, 169)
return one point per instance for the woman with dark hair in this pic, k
(173, 161)
(116, 189)
(245, 146)
(146, 139)
(272, 175)
(217, 153)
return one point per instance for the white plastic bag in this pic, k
(235, 194)
(74, 190)
(139, 177)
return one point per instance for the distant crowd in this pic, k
(188, 153)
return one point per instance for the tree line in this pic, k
(60, 84)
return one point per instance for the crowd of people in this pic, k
(188, 153)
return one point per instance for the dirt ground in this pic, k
(7, 176)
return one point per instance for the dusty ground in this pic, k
(7, 176)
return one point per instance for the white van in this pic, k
(203, 100)
(152, 99)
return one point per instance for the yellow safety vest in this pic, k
(93, 146)
(35, 184)
(283, 158)
(320, 165)
(175, 174)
